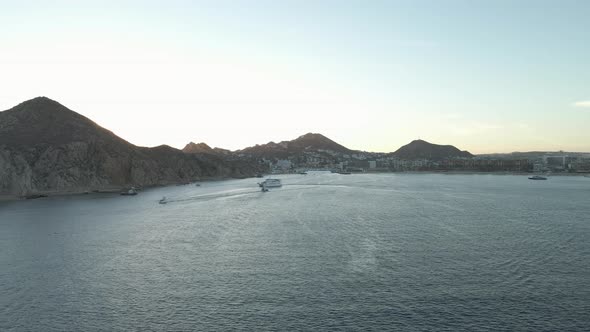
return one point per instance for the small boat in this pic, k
(303, 173)
(163, 200)
(259, 175)
(344, 173)
(270, 183)
(537, 177)
(130, 192)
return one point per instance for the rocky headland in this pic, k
(47, 148)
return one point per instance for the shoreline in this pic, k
(5, 197)
(459, 173)
(478, 173)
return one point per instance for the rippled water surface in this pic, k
(324, 252)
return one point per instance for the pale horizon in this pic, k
(485, 77)
(303, 133)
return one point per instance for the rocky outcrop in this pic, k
(203, 148)
(198, 148)
(45, 147)
(420, 149)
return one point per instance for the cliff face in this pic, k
(45, 147)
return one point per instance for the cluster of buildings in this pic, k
(321, 160)
(381, 162)
(571, 163)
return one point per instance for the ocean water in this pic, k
(404, 252)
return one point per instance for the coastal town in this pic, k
(533, 162)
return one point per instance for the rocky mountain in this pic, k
(198, 148)
(203, 148)
(45, 147)
(306, 143)
(420, 149)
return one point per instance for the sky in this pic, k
(485, 76)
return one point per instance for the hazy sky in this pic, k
(487, 76)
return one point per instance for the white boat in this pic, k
(163, 200)
(270, 183)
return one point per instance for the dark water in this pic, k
(325, 252)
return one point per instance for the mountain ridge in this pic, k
(306, 142)
(46, 147)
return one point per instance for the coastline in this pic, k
(477, 173)
(5, 197)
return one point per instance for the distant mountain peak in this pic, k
(306, 142)
(193, 147)
(40, 99)
(312, 135)
(42, 120)
(200, 145)
(421, 149)
(40, 104)
(320, 141)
